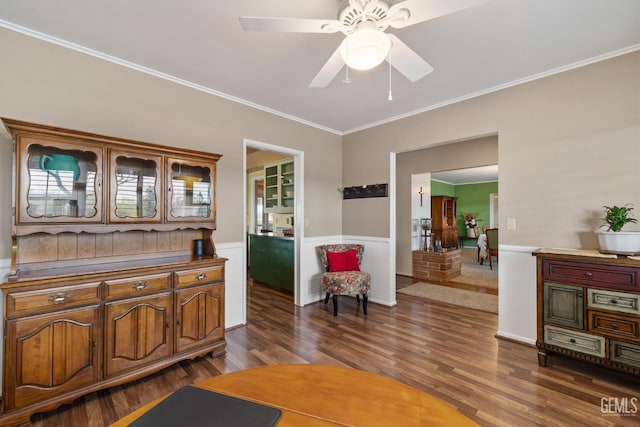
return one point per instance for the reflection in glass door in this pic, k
(135, 188)
(263, 220)
(62, 183)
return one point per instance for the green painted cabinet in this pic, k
(271, 260)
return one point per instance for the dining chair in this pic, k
(342, 274)
(492, 245)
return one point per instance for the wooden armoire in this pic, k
(443, 220)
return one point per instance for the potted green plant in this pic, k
(614, 240)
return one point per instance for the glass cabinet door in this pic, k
(191, 188)
(287, 174)
(59, 182)
(271, 187)
(279, 186)
(134, 187)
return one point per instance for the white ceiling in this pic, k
(467, 175)
(200, 43)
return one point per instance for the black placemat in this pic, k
(196, 407)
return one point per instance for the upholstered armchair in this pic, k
(342, 273)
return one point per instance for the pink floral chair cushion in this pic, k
(344, 282)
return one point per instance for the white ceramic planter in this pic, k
(619, 242)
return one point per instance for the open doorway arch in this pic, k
(459, 154)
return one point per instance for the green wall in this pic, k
(472, 198)
(442, 189)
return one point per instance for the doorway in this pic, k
(494, 219)
(475, 192)
(454, 156)
(259, 220)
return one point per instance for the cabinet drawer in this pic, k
(26, 302)
(624, 352)
(605, 276)
(612, 325)
(615, 301)
(577, 341)
(199, 276)
(134, 286)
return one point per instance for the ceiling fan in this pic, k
(366, 44)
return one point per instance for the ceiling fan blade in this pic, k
(329, 70)
(290, 25)
(406, 61)
(410, 12)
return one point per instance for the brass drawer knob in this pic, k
(139, 286)
(614, 326)
(201, 276)
(572, 341)
(588, 275)
(58, 298)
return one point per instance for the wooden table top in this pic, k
(322, 395)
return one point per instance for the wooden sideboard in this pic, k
(104, 286)
(589, 308)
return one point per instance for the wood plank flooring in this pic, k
(447, 351)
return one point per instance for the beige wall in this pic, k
(476, 152)
(48, 84)
(568, 144)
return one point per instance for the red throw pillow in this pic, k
(343, 261)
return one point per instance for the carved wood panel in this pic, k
(138, 331)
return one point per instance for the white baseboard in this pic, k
(524, 340)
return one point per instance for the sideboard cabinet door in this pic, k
(47, 355)
(137, 331)
(199, 316)
(59, 181)
(190, 190)
(564, 305)
(135, 184)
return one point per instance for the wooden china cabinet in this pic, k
(443, 220)
(104, 287)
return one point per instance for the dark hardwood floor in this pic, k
(447, 351)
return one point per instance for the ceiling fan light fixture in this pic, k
(365, 49)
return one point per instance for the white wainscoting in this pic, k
(235, 287)
(375, 261)
(5, 268)
(517, 312)
(311, 268)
